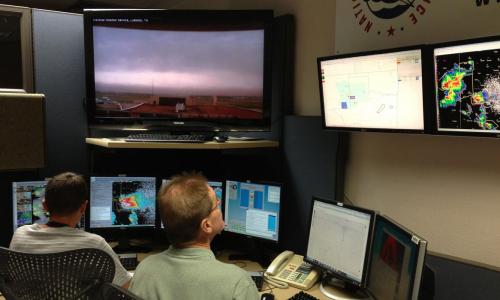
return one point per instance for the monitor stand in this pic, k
(255, 252)
(124, 246)
(337, 289)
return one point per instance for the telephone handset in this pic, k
(290, 269)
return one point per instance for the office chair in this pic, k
(111, 291)
(75, 274)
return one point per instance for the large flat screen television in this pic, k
(373, 91)
(467, 87)
(178, 69)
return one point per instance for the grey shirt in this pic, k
(191, 273)
(40, 239)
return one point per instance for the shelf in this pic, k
(118, 143)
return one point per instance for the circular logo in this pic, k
(388, 9)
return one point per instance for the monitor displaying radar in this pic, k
(122, 202)
(252, 209)
(27, 199)
(379, 90)
(467, 87)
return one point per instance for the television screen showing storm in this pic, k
(150, 73)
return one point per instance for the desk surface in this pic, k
(118, 143)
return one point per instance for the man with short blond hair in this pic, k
(188, 270)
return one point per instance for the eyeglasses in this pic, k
(217, 203)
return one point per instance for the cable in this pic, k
(275, 282)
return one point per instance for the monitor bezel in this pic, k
(14, 200)
(366, 262)
(191, 17)
(421, 253)
(434, 96)
(258, 238)
(105, 231)
(426, 76)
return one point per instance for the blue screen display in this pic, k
(252, 209)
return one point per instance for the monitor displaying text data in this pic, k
(252, 209)
(339, 240)
(27, 205)
(380, 90)
(467, 81)
(122, 202)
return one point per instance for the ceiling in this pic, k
(77, 6)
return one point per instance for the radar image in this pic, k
(468, 90)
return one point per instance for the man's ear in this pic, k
(83, 207)
(206, 226)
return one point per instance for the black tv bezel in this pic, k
(249, 236)
(421, 253)
(426, 73)
(228, 17)
(366, 263)
(434, 88)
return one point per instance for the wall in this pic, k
(444, 188)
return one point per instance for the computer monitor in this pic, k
(467, 87)
(252, 209)
(217, 186)
(397, 261)
(373, 91)
(122, 202)
(27, 197)
(339, 243)
(27, 205)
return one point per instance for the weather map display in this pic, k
(373, 91)
(27, 203)
(122, 201)
(467, 79)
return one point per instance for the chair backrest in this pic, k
(75, 274)
(111, 291)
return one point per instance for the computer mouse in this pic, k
(267, 296)
(220, 139)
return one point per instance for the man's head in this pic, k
(65, 194)
(189, 210)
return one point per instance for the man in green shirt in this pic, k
(188, 269)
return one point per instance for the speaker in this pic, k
(22, 131)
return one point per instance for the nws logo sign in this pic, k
(389, 12)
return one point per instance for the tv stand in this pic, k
(338, 290)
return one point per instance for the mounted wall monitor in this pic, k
(467, 87)
(373, 91)
(179, 70)
(397, 261)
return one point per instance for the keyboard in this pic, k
(303, 296)
(128, 260)
(172, 138)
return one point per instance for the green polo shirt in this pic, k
(191, 273)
